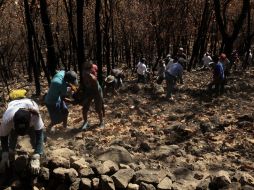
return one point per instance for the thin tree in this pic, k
(51, 54)
(98, 40)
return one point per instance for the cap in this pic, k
(21, 121)
(71, 77)
(109, 79)
(181, 49)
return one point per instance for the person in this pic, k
(142, 70)
(119, 75)
(61, 83)
(182, 57)
(91, 91)
(172, 74)
(218, 76)
(110, 84)
(20, 118)
(161, 71)
(249, 58)
(206, 60)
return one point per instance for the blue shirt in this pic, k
(58, 88)
(175, 70)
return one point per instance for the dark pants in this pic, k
(218, 86)
(58, 113)
(141, 78)
(171, 81)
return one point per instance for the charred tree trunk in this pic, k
(200, 40)
(98, 38)
(31, 57)
(80, 35)
(51, 54)
(227, 39)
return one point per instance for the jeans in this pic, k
(58, 113)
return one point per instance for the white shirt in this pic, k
(8, 124)
(141, 68)
(206, 60)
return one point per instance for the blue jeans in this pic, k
(171, 81)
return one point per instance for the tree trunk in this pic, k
(80, 35)
(98, 37)
(31, 57)
(51, 54)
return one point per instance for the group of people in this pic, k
(22, 116)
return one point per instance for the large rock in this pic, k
(75, 185)
(165, 151)
(149, 176)
(220, 180)
(58, 162)
(80, 164)
(108, 167)
(132, 186)
(44, 174)
(86, 184)
(204, 184)
(64, 174)
(96, 183)
(145, 186)
(21, 163)
(244, 178)
(117, 154)
(106, 183)
(165, 184)
(24, 145)
(122, 178)
(86, 172)
(62, 152)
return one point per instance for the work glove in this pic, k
(35, 164)
(4, 164)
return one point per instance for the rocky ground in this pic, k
(198, 141)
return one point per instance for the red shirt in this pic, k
(94, 70)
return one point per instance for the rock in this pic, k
(79, 164)
(86, 172)
(204, 184)
(183, 173)
(21, 163)
(165, 184)
(24, 145)
(165, 151)
(172, 126)
(122, 178)
(220, 180)
(247, 187)
(96, 183)
(62, 152)
(35, 188)
(75, 185)
(244, 178)
(106, 183)
(86, 184)
(44, 174)
(117, 154)
(135, 88)
(233, 186)
(64, 174)
(108, 167)
(149, 176)
(145, 186)
(58, 162)
(144, 146)
(132, 186)
(198, 176)
(124, 166)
